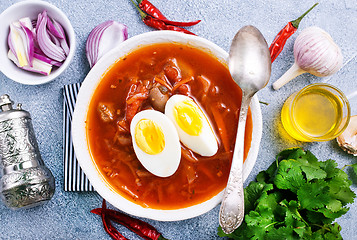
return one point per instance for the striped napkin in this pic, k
(74, 177)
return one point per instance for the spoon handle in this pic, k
(232, 208)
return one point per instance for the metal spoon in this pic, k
(250, 65)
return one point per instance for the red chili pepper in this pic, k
(279, 42)
(109, 228)
(157, 23)
(141, 228)
(153, 11)
(150, 9)
(181, 24)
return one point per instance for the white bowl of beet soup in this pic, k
(155, 123)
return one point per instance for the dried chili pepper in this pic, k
(139, 227)
(278, 43)
(109, 228)
(153, 11)
(158, 23)
(181, 24)
(150, 9)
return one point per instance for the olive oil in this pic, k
(316, 113)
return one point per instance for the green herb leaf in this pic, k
(330, 167)
(334, 205)
(289, 176)
(312, 172)
(291, 153)
(314, 195)
(253, 192)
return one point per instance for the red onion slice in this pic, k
(26, 22)
(54, 29)
(29, 43)
(47, 60)
(64, 46)
(39, 18)
(41, 56)
(62, 34)
(57, 34)
(44, 41)
(17, 45)
(39, 66)
(54, 39)
(11, 45)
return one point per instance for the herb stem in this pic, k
(273, 223)
(265, 103)
(298, 213)
(322, 227)
(348, 165)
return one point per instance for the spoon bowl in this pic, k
(249, 60)
(250, 65)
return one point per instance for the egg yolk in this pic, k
(189, 117)
(149, 137)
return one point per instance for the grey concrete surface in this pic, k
(67, 215)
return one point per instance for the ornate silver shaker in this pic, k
(26, 181)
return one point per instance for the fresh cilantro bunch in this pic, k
(297, 197)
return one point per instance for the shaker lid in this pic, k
(5, 102)
(6, 110)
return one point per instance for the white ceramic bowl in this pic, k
(31, 8)
(80, 136)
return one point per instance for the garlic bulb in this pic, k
(348, 139)
(315, 52)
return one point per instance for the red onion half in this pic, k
(103, 38)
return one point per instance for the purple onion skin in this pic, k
(94, 39)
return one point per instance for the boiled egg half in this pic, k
(192, 124)
(156, 142)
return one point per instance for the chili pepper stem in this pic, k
(161, 238)
(142, 14)
(297, 21)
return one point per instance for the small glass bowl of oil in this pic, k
(318, 112)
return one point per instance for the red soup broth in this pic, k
(198, 178)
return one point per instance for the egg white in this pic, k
(165, 163)
(205, 144)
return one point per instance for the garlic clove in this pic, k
(348, 139)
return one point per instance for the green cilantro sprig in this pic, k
(297, 197)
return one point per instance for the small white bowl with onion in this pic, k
(80, 138)
(39, 57)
